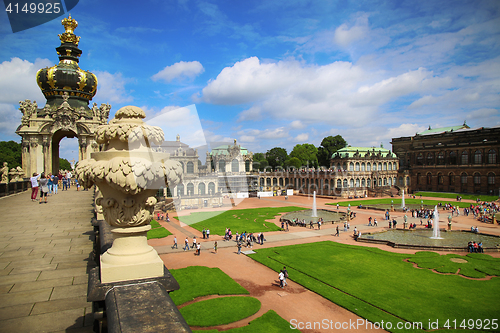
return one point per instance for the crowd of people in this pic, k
(50, 184)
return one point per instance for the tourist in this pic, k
(262, 238)
(355, 231)
(319, 225)
(69, 175)
(390, 224)
(370, 221)
(186, 244)
(34, 186)
(50, 183)
(281, 277)
(286, 224)
(175, 242)
(480, 247)
(469, 247)
(337, 233)
(215, 247)
(348, 226)
(204, 233)
(238, 244)
(44, 188)
(194, 243)
(345, 226)
(394, 222)
(198, 248)
(375, 222)
(285, 275)
(64, 183)
(311, 225)
(55, 184)
(337, 205)
(208, 233)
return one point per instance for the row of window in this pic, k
(190, 190)
(463, 178)
(368, 166)
(385, 181)
(452, 158)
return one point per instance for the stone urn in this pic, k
(128, 173)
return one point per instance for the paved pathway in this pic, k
(44, 251)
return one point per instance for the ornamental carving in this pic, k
(128, 172)
(28, 109)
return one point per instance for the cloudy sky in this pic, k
(275, 73)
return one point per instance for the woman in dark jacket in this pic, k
(44, 187)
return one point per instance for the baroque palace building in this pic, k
(451, 159)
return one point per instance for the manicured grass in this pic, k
(379, 285)
(196, 281)
(269, 322)
(240, 220)
(157, 231)
(454, 196)
(397, 202)
(220, 311)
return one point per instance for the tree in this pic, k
(262, 165)
(257, 157)
(328, 147)
(64, 164)
(293, 162)
(306, 153)
(276, 157)
(11, 152)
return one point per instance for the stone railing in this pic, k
(14, 187)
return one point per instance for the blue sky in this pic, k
(275, 73)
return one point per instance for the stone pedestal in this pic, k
(130, 257)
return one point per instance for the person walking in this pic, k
(215, 247)
(55, 183)
(281, 276)
(34, 186)
(194, 243)
(239, 247)
(44, 187)
(50, 184)
(186, 244)
(64, 183)
(285, 275)
(208, 233)
(198, 248)
(337, 233)
(175, 242)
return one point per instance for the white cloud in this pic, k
(179, 70)
(251, 114)
(10, 119)
(345, 35)
(297, 124)
(303, 137)
(111, 88)
(18, 80)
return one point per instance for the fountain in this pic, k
(436, 234)
(403, 200)
(314, 211)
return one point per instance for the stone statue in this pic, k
(95, 110)
(5, 172)
(27, 108)
(104, 113)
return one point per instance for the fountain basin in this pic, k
(455, 240)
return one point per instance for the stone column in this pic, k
(47, 152)
(128, 174)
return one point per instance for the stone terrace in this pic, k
(44, 253)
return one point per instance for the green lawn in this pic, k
(454, 196)
(157, 231)
(269, 322)
(240, 220)
(196, 281)
(397, 202)
(379, 285)
(220, 311)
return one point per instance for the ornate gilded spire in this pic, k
(68, 36)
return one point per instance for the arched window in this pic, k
(451, 178)
(477, 178)
(492, 157)
(389, 181)
(380, 182)
(247, 166)
(190, 189)
(379, 166)
(235, 166)
(180, 190)
(201, 188)
(478, 157)
(351, 183)
(429, 178)
(211, 188)
(389, 165)
(440, 178)
(418, 178)
(222, 166)
(357, 166)
(463, 178)
(453, 157)
(344, 166)
(338, 166)
(351, 166)
(362, 167)
(465, 157)
(357, 182)
(385, 166)
(440, 159)
(420, 159)
(401, 181)
(368, 167)
(430, 159)
(182, 166)
(385, 181)
(368, 182)
(190, 167)
(363, 182)
(344, 183)
(394, 180)
(491, 178)
(339, 183)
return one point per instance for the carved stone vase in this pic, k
(128, 173)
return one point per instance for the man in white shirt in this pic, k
(34, 186)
